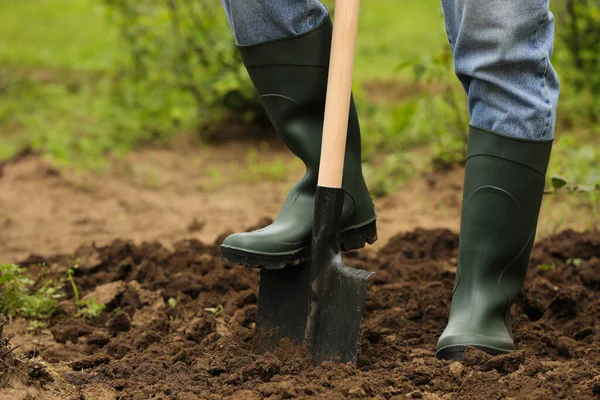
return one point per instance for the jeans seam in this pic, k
(537, 32)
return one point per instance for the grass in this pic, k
(71, 35)
(54, 94)
(52, 54)
(394, 31)
(57, 58)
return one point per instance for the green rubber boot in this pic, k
(291, 78)
(504, 185)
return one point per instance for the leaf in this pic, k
(574, 261)
(558, 182)
(547, 267)
(215, 311)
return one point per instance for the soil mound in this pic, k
(178, 325)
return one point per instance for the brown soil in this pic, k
(195, 192)
(156, 339)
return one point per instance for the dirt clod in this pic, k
(200, 327)
(90, 362)
(106, 294)
(99, 337)
(119, 323)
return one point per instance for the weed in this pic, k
(19, 298)
(215, 311)
(90, 310)
(87, 309)
(574, 261)
(172, 302)
(547, 267)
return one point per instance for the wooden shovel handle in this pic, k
(339, 89)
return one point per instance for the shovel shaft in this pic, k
(339, 89)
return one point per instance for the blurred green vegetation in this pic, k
(85, 81)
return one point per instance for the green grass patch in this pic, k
(73, 35)
(19, 297)
(61, 93)
(395, 31)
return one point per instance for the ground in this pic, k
(190, 191)
(147, 235)
(144, 224)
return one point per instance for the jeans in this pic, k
(502, 52)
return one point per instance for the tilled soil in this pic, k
(158, 340)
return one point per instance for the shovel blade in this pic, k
(283, 306)
(338, 315)
(337, 292)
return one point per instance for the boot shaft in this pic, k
(290, 76)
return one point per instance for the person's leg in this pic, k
(257, 21)
(289, 69)
(502, 53)
(502, 57)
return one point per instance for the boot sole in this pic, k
(353, 238)
(457, 353)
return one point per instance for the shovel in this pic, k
(337, 296)
(322, 294)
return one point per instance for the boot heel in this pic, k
(357, 237)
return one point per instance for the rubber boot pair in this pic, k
(504, 184)
(290, 76)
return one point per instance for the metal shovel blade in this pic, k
(337, 292)
(283, 304)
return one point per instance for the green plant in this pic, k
(90, 310)
(547, 267)
(18, 297)
(445, 108)
(182, 63)
(87, 309)
(575, 262)
(215, 311)
(578, 35)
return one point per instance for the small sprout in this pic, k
(574, 261)
(172, 302)
(215, 311)
(90, 310)
(547, 267)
